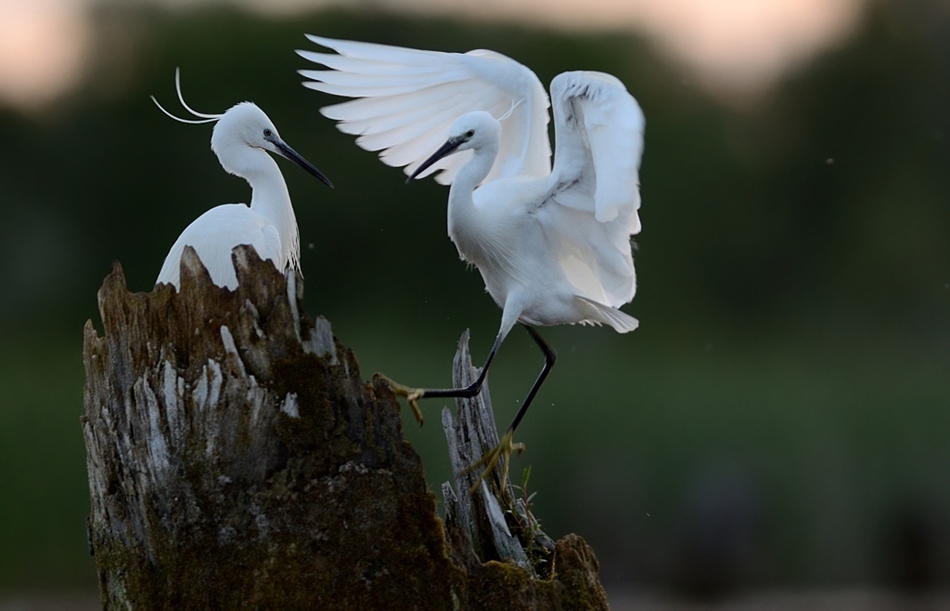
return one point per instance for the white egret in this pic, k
(241, 138)
(553, 246)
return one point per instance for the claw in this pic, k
(489, 460)
(412, 395)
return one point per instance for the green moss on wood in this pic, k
(238, 504)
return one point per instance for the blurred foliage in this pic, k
(779, 418)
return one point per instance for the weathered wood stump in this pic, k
(237, 460)
(493, 522)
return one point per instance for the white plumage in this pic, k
(242, 138)
(552, 245)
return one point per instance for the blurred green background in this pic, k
(779, 420)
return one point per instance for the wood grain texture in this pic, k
(237, 460)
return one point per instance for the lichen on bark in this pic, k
(237, 460)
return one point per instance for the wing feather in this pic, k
(396, 120)
(407, 99)
(595, 184)
(599, 130)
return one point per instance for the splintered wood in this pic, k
(237, 460)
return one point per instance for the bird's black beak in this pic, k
(291, 154)
(446, 149)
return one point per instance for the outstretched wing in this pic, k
(407, 100)
(595, 184)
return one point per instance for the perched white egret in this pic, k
(553, 246)
(241, 138)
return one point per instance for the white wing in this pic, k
(595, 182)
(408, 100)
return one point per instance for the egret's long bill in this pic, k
(446, 149)
(285, 151)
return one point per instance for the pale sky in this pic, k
(737, 45)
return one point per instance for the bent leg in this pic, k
(412, 395)
(550, 356)
(506, 445)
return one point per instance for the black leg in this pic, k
(474, 387)
(505, 446)
(549, 357)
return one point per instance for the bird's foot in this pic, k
(412, 395)
(501, 451)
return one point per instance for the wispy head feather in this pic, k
(511, 110)
(204, 117)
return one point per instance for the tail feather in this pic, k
(600, 313)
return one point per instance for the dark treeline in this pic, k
(827, 199)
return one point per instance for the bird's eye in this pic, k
(470, 133)
(268, 133)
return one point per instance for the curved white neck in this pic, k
(461, 201)
(270, 199)
(466, 221)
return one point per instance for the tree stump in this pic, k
(237, 460)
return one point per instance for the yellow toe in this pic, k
(490, 460)
(412, 395)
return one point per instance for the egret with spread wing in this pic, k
(241, 139)
(553, 246)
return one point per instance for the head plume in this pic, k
(202, 117)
